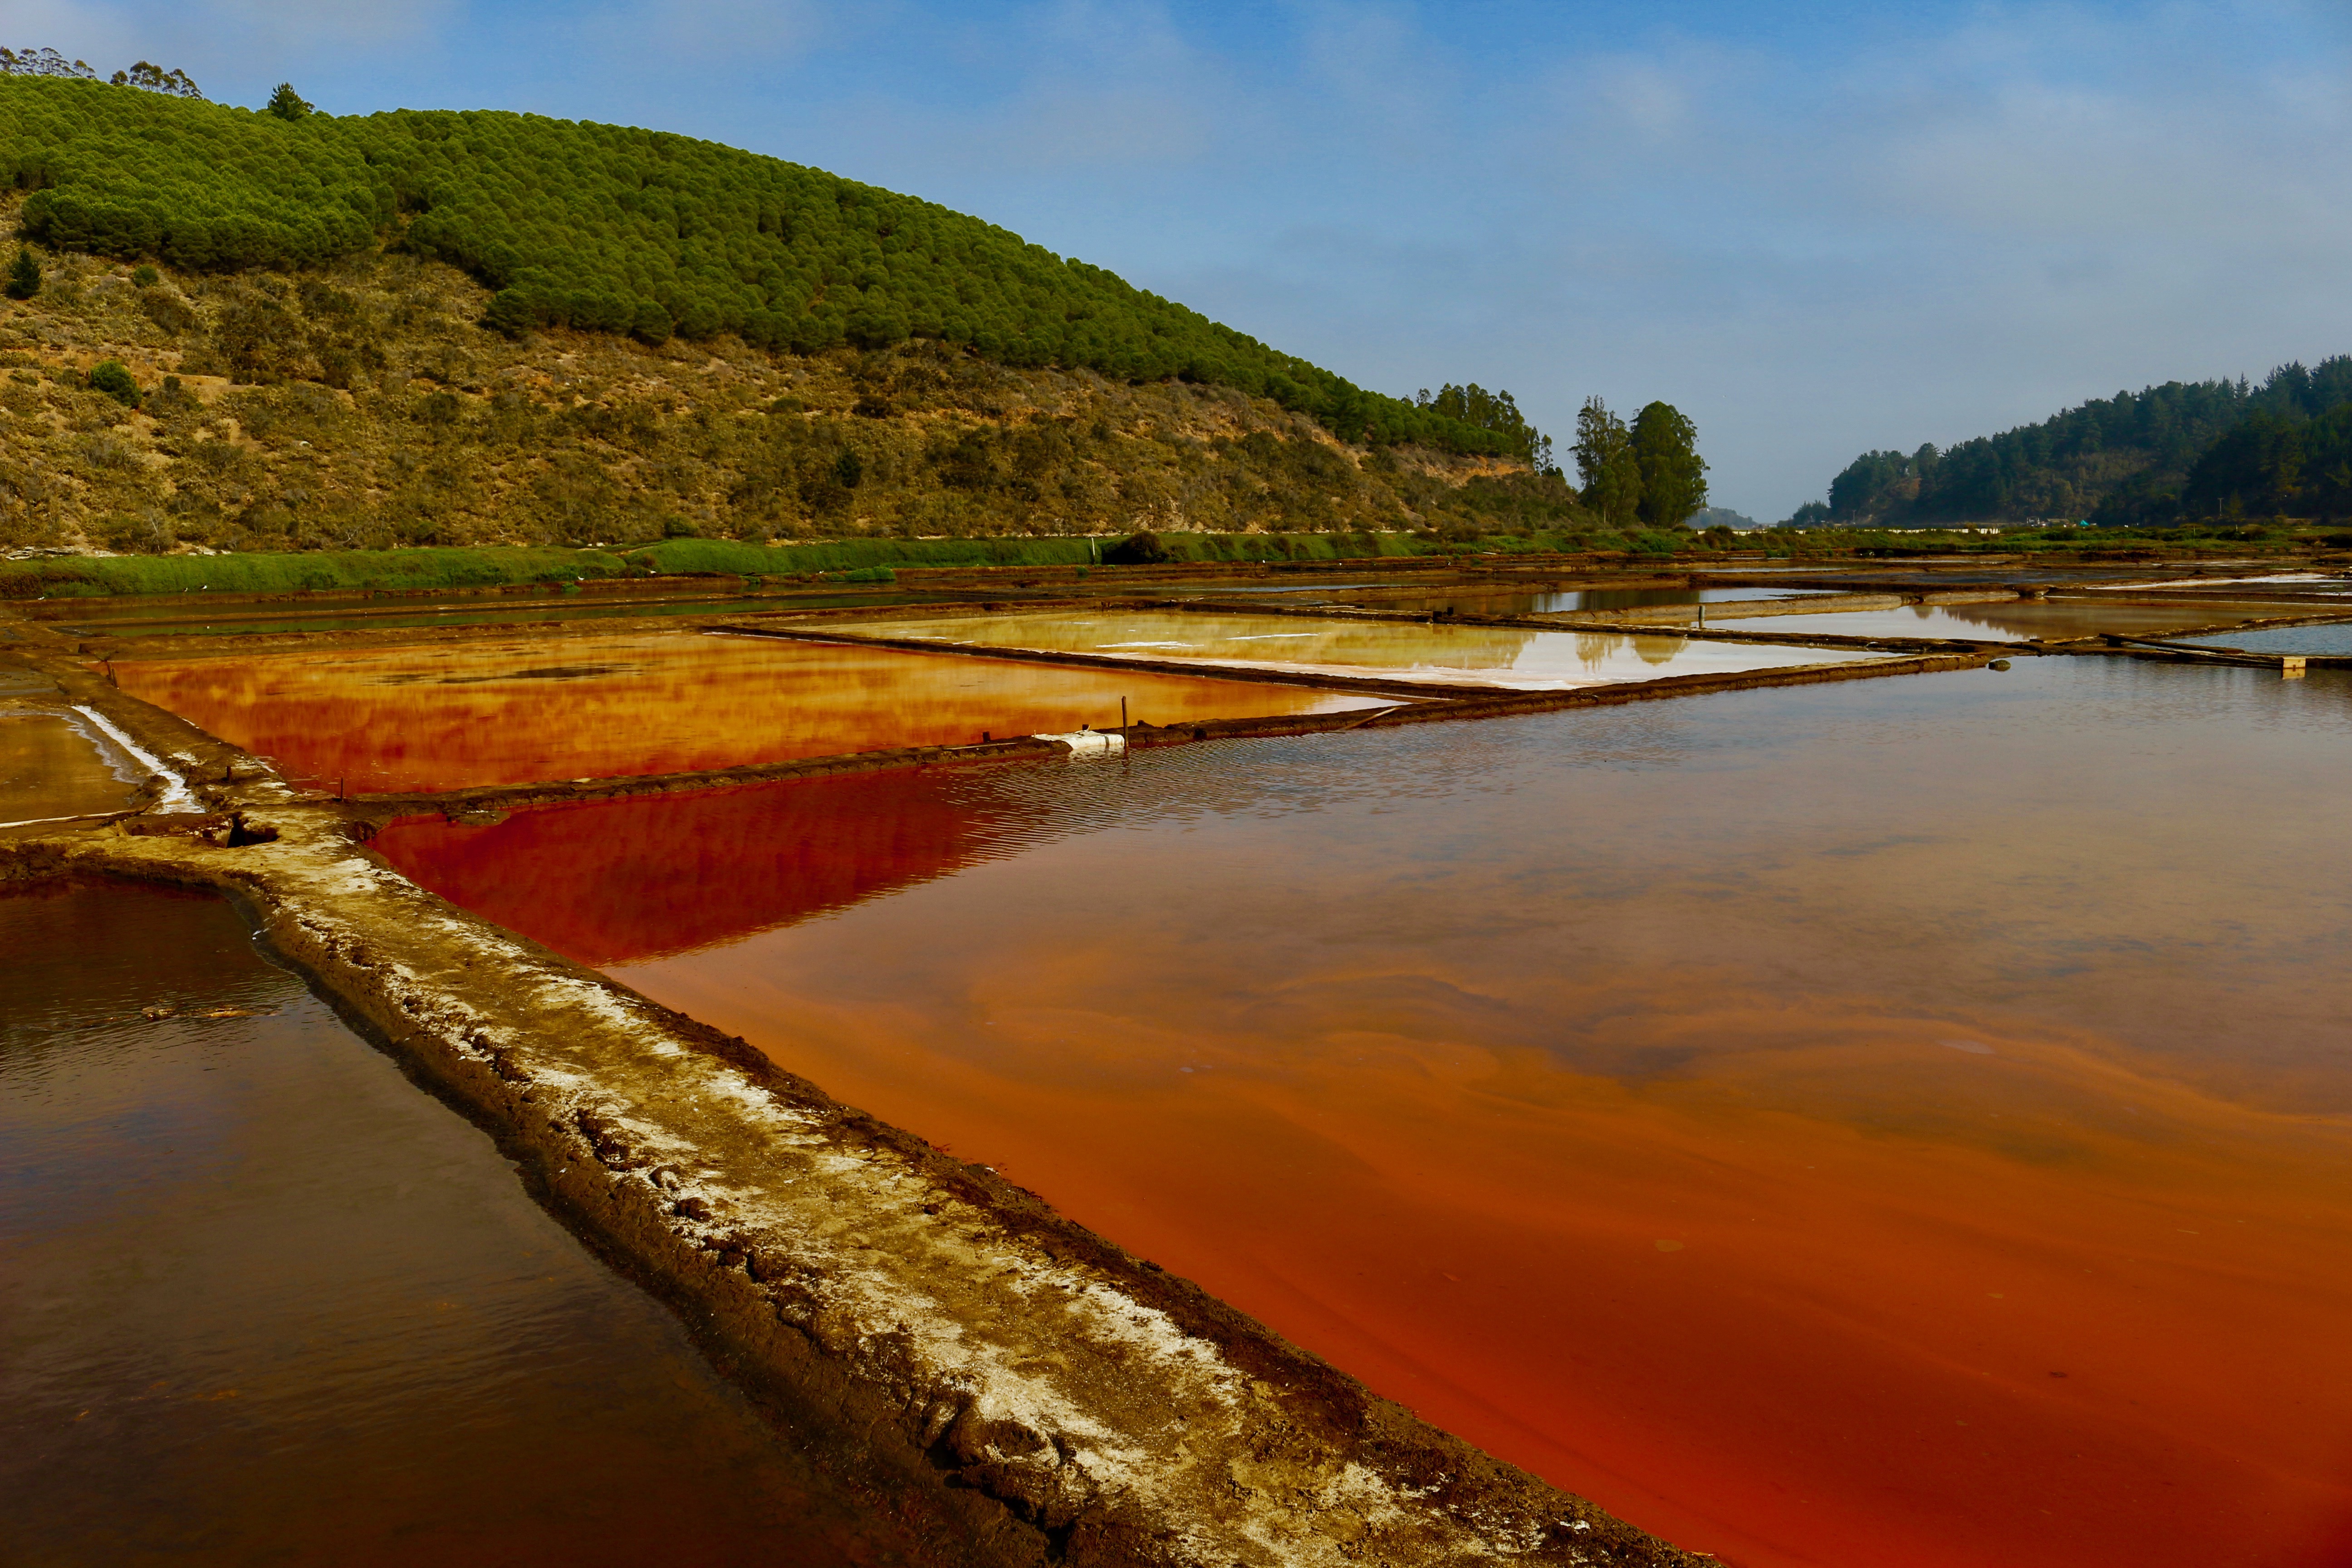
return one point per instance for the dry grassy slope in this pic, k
(363, 407)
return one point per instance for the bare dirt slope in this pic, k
(365, 406)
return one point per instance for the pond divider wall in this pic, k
(1069, 1402)
(1066, 1401)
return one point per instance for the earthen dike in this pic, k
(1066, 1400)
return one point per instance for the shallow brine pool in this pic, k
(1503, 657)
(262, 1301)
(2331, 638)
(1895, 1122)
(532, 710)
(2011, 621)
(1565, 600)
(57, 762)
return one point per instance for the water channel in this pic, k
(263, 1301)
(1896, 1121)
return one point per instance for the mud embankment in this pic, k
(1078, 1404)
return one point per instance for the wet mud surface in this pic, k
(1509, 659)
(1846, 1125)
(264, 1301)
(519, 711)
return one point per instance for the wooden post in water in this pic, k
(1122, 708)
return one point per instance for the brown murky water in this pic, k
(262, 1301)
(1901, 1121)
(1501, 657)
(2014, 621)
(53, 762)
(529, 711)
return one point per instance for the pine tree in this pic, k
(288, 104)
(24, 277)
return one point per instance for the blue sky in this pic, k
(1815, 228)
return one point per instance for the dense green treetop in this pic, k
(607, 229)
(1650, 472)
(2192, 449)
(1674, 476)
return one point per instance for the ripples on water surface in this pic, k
(262, 1301)
(1901, 1121)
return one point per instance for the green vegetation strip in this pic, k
(847, 561)
(612, 229)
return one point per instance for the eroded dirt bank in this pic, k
(1086, 1406)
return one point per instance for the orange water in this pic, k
(534, 710)
(1897, 1122)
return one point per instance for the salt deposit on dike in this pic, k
(1730, 1083)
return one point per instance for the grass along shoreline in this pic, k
(494, 566)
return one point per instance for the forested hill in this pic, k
(2181, 451)
(623, 231)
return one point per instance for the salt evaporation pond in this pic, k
(1502, 656)
(54, 760)
(1566, 600)
(438, 717)
(2329, 637)
(2008, 621)
(263, 1301)
(554, 610)
(1894, 1121)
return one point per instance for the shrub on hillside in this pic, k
(616, 230)
(110, 377)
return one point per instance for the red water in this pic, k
(534, 709)
(1899, 1122)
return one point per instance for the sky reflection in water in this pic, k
(1503, 656)
(1895, 1122)
(2011, 621)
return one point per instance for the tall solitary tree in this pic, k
(288, 104)
(1607, 470)
(1674, 476)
